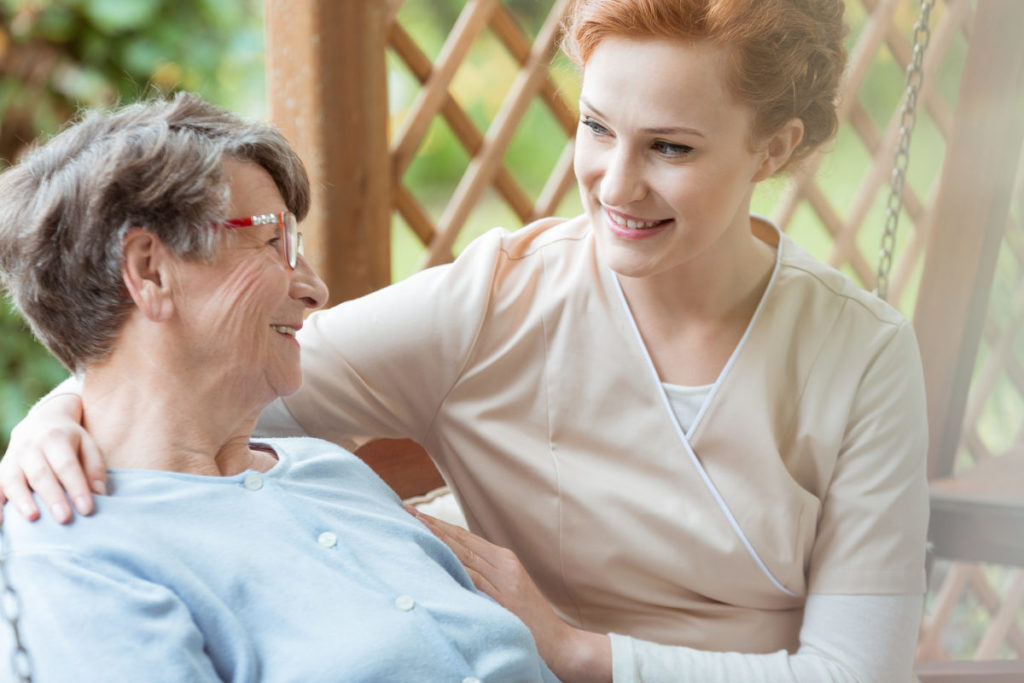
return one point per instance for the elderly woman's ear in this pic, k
(146, 273)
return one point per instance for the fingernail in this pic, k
(83, 505)
(99, 487)
(60, 510)
(27, 512)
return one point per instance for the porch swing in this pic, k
(977, 516)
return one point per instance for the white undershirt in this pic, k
(686, 402)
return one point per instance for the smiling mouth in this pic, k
(284, 329)
(632, 223)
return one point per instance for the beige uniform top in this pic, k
(520, 369)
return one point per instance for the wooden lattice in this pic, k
(843, 224)
(485, 149)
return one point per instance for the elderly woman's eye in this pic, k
(276, 244)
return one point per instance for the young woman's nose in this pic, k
(622, 181)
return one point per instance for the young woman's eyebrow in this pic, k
(661, 130)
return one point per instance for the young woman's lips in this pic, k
(634, 228)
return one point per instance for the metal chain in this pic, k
(915, 76)
(10, 611)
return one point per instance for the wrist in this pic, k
(584, 657)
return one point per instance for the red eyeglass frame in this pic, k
(291, 238)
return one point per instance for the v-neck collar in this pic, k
(686, 437)
(758, 224)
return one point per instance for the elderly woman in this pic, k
(155, 251)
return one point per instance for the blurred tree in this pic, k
(57, 56)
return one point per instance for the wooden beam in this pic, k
(327, 85)
(969, 218)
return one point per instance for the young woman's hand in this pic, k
(571, 653)
(52, 454)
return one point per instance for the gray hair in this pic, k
(68, 204)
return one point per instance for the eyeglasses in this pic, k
(291, 238)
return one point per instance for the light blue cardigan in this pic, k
(309, 572)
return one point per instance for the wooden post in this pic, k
(969, 219)
(327, 86)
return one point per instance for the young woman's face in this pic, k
(664, 155)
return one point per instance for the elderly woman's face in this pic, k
(243, 310)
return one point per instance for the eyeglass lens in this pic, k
(292, 239)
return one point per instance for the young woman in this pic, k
(706, 448)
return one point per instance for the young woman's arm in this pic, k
(844, 639)
(374, 367)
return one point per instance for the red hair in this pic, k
(788, 55)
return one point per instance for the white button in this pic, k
(327, 539)
(471, 679)
(253, 481)
(405, 602)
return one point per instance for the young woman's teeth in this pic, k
(632, 224)
(284, 329)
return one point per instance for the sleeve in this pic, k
(874, 520)
(277, 420)
(844, 639)
(380, 366)
(82, 621)
(71, 385)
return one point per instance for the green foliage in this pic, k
(57, 56)
(99, 51)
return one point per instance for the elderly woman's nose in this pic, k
(307, 285)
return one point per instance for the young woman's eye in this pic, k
(672, 150)
(595, 127)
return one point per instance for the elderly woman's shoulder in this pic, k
(316, 460)
(118, 524)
